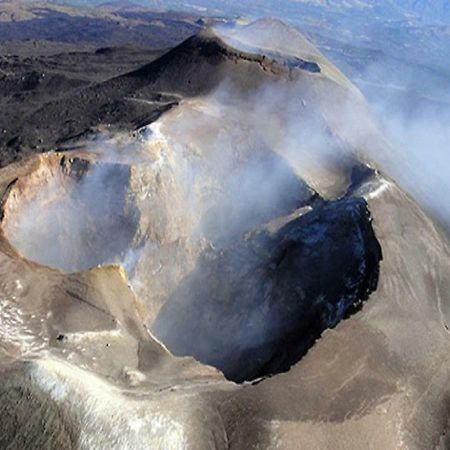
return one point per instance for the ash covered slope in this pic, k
(249, 192)
(50, 52)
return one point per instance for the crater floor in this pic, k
(251, 308)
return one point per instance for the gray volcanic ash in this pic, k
(251, 217)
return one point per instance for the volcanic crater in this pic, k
(72, 214)
(251, 307)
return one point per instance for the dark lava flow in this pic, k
(255, 308)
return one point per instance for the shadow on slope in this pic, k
(255, 308)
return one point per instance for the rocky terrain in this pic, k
(50, 53)
(211, 255)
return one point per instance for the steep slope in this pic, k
(195, 67)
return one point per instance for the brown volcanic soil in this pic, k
(54, 54)
(86, 366)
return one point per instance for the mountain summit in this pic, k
(212, 257)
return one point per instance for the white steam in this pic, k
(420, 157)
(196, 183)
(217, 167)
(72, 218)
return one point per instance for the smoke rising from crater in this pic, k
(208, 186)
(72, 215)
(413, 114)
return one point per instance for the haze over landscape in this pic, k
(224, 225)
